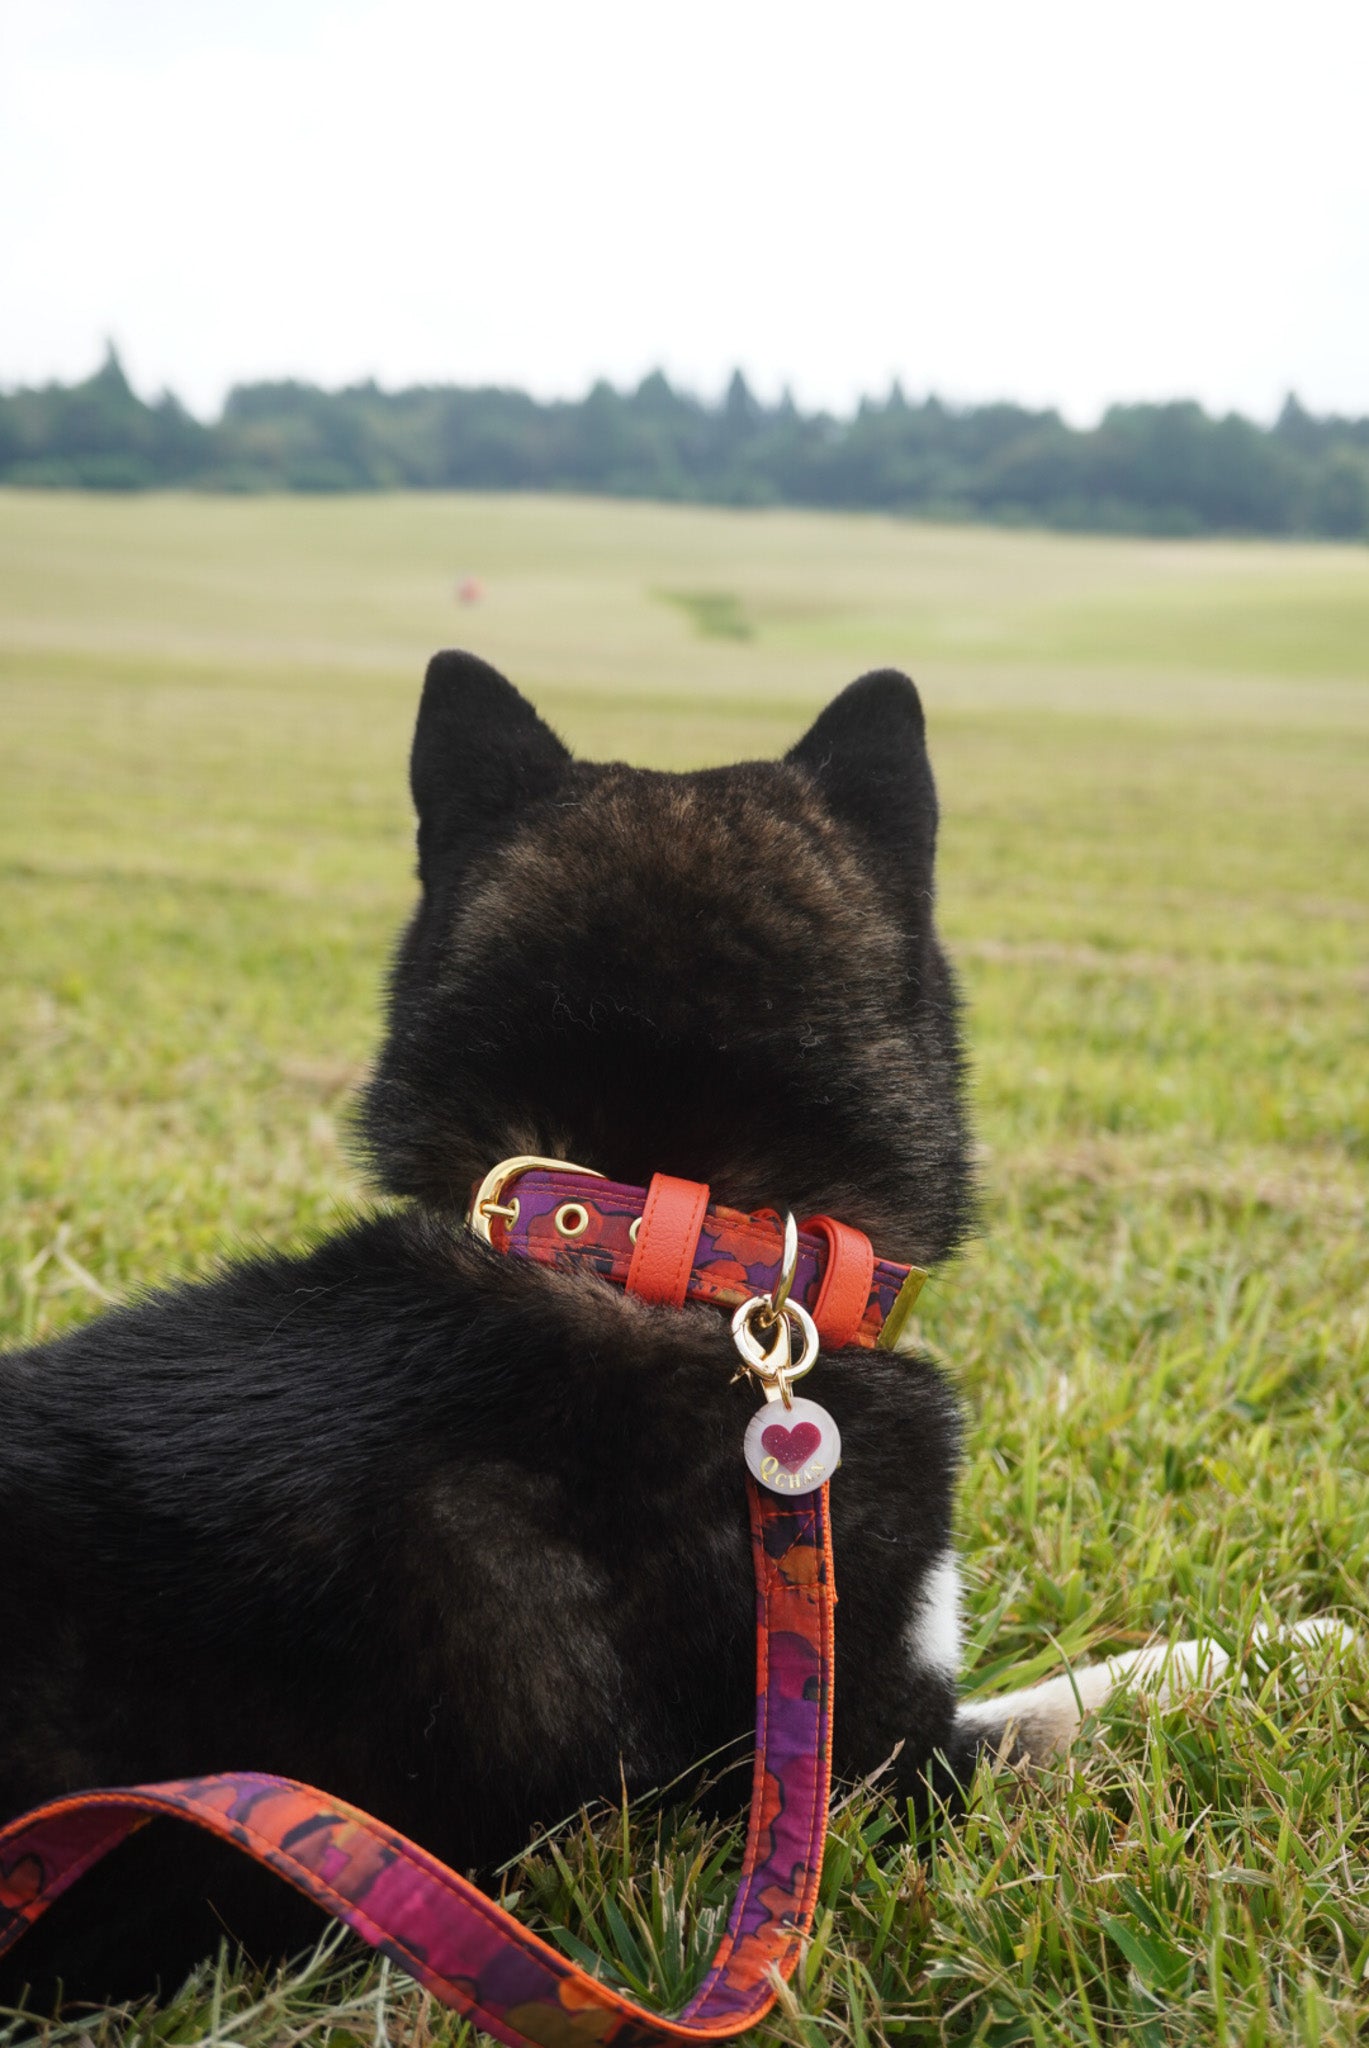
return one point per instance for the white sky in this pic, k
(1059, 203)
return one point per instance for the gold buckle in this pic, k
(489, 1201)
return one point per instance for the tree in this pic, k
(1340, 498)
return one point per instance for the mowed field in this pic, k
(1154, 767)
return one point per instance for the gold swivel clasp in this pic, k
(763, 1330)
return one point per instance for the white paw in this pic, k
(1044, 1720)
(1323, 1630)
(1179, 1666)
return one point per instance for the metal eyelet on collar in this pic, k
(572, 1219)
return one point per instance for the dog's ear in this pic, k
(867, 752)
(480, 753)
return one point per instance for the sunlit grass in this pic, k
(1154, 765)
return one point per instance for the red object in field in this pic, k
(470, 590)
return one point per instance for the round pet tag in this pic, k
(792, 1450)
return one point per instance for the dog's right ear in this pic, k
(867, 753)
(480, 753)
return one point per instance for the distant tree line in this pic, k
(1160, 469)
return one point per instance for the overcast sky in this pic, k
(1059, 203)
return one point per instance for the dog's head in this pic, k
(731, 975)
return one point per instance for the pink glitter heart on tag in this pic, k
(792, 1447)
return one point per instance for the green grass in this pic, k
(1154, 765)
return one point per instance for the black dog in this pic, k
(459, 1538)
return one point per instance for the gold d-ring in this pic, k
(489, 1201)
(789, 1261)
(774, 1303)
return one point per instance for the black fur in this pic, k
(456, 1537)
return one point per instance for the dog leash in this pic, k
(461, 1946)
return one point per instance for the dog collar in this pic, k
(669, 1243)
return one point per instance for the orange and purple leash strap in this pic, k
(436, 1925)
(466, 1950)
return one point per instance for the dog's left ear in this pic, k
(867, 752)
(480, 754)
